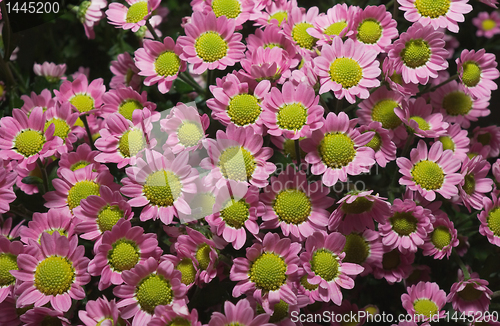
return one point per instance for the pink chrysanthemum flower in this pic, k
(425, 301)
(357, 211)
(100, 312)
(364, 249)
(148, 286)
(293, 112)
(268, 271)
(305, 75)
(374, 27)
(337, 149)
(338, 21)
(54, 221)
(211, 43)
(185, 128)
(40, 315)
(418, 54)
(126, 74)
(430, 172)
(270, 63)
(9, 251)
(456, 140)
(82, 157)
(395, 80)
(471, 295)
(348, 69)
(182, 262)
(9, 314)
(237, 154)
(275, 13)
(477, 70)
(240, 313)
(441, 241)
(417, 115)
(325, 269)
(490, 220)
(160, 63)
(25, 139)
(53, 271)
(125, 101)
(121, 249)
(381, 143)
(487, 24)
(7, 195)
(489, 137)
(43, 100)
(89, 14)
(166, 315)
(396, 266)
(475, 185)
(132, 17)
(441, 13)
(238, 11)
(63, 118)
(50, 71)
(85, 97)
(298, 22)
(295, 205)
(6, 229)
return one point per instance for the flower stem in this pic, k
(152, 30)
(389, 4)
(45, 176)
(191, 83)
(297, 153)
(461, 264)
(433, 88)
(495, 294)
(338, 106)
(87, 128)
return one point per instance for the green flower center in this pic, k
(494, 221)
(383, 112)
(369, 31)
(484, 138)
(335, 28)
(469, 293)
(356, 249)
(280, 16)
(228, 8)
(167, 64)
(179, 321)
(292, 206)
(51, 231)
(416, 53)
(432, 8)
(469, 184)
(203, 255)
(280, 312)
(236, 163)
(54, 275)
(8, 262)
(162, 188)
(422, 124)
(153, 291)
(346, 72)
(131, 143)
(108, 217)
(376, 142)
(307, 285)
(189, 134)
(124, 255)
(272, 45)
(82, 102)
(428, 175)
(447, 143)
(391, 260)
(210, 46)
(243, 109)
(457, 103)
(61, 127)
(235, 213)
(187, 270)
(397, 78)
(441, 237)
(81, 190)
(289, 149)
(79, 165)
(471, 73)
(425, 307)
(268, 271)
(358, 206)
(300, 35)
(488, 24)
(325, 264)
(136, 12)
(336, 150)
(292, 116)
(127, 108)
(403, 223)
(29, 142)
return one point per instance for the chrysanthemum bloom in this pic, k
(275, 13)
(487, 24)
(237, 154)
(148, 286)
(475, 184)
(337, 149)
(5, 228)
(478, 149)
(238, 11)
(85, 97)
(211, 43)
(441, 241)
(44, 100)
(49, 70)
(39, 315)
(121, 249)
(418, 54)
(430, 172)
(296, 206)
(348, 69)
(476, 71)
(396, 266)
(63, 118)
(7, 195)
(100, 312)
(125, 101)
(53, 271)
(471, 295)
(441, 13)
(9, 252)
(132, 17)
(166, 315)
(183, 263)
(240, 313)
(357, 210)
(337, 22)
(417, 115)
(374, 27)
(25, 139)
(364, 249)
(268, 271)
(9, 314)
(381, 143)
(271, 63)
(305, 75)
(456, 140)
(237, 100)
(395, 80)
(54, 221)
(295, 29)
(293, 112)
(490, 220)
(425, 299)
(82, 157)
(160, 63)
(126, 74)
(488, 137)
(89, 14)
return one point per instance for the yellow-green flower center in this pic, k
(383, 112)
(428, 175)
(356, 249)
(457, 103)
(79, 165)
(235, 213)
(292, 206)
(422, 124)
(494, 221)
(131, 143)
(469, 293)
(82, 102)
(469, 184)
(162, 188)
(99, 323)
(416, 53)
(188, 271)
(397, 78)
(210, 46)
(61, 127)
(425, 307)
(376, 142)
(484, 138)
(441, 237)
(203, 255)
(8, 262)
(292, 116)
(108, 216)
(346, 72)
(335, 28)
(391, 260)
(280, 16)
(447, 142)
(325, 264)
(432, 8)
(243, 109)
(336, 150)
(179, 321)
(300, 35)
(307, 285)
(236, 163)
(124, 255)
(488, 24)
(471, 73)
(228, 8)
(29, 142)
(268, 271)
(189, 133)
(280, 312)
(127, 108)
(358, 206)
(403, 223)
(137, 12)
(153, 291)
(167, 64)
(81, 190)
(54, 275)
(369, 31)
(289, 149)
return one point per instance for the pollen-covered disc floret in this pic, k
(440, 242)
(133, 16)
(476, 71)
(425, 299)
(9, 251)
(338, 21)
(298, 23)
(84, 97)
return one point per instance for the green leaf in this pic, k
(32, 180)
